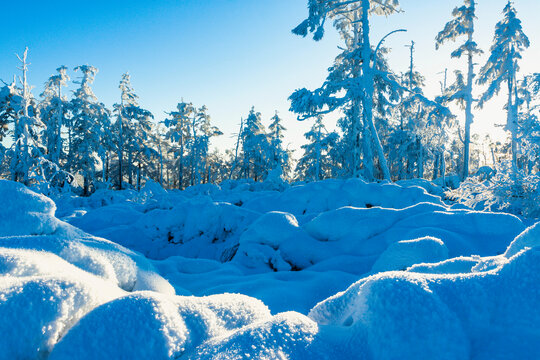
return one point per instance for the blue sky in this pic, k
(226, 54)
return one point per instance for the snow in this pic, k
(248, 270)
(402, 254)
(25, 212)
(527, 239)
(482, 315)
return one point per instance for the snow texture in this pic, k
(267, 269)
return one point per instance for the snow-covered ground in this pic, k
(338, 269)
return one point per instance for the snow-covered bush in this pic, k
(517, 193)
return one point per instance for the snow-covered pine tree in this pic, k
(279, 157)
(255, 147)
(355, 74)
(529, 122)
(463, 25)
(53, 110)
(206, 132)
(26, 128)
(201, 133)
(179, 133)
(131, 129)
(7, 114)
(87, 118)
(315, 164)
(502, 66)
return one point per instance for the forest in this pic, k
(388, 129)
(397, 232)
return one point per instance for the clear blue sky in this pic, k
(227, 54)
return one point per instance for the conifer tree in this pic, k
(87, 126)
(254, 147)
(132, 128)
(502, 66)
(179, 133)
(53, 110)
(463, 25)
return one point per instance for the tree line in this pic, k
(388, 129)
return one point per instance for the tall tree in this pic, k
(356, 73)
(53, 110)
(502, 66)
(26, 139)
(279, 157)
(529, 121)
(131, 129)
(254, 147)
(179, 133)
(88, 117)
(463, 25)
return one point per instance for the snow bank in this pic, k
(481, 315)
(402, 254)
(527, 239)
(41, 297)
(371, 231)
(24, 212)
(145, 325)
(66, 294)
(321, 196)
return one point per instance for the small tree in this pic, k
(315, 164)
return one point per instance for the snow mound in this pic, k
(275, 240)
(147, 325)
(23, 212)
(527, 239)
(321, 196)
(482, 315)
(31, 225)
(284, 336)
(37, 311)
(402, 254)
(371, 231)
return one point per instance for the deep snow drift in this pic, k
(328, 270)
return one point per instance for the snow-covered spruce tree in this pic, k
(255, 147)
(351, 84)
(26, 127)
(208, 131)
(131, 128)
(502, 66)
(279, 157)
(87, 118)
(316, 164)
(53, 110)
(179, 133)
(529, 122)
(7, 114)
(463, 25)
(201, 133)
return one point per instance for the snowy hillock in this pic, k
(328, 270)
